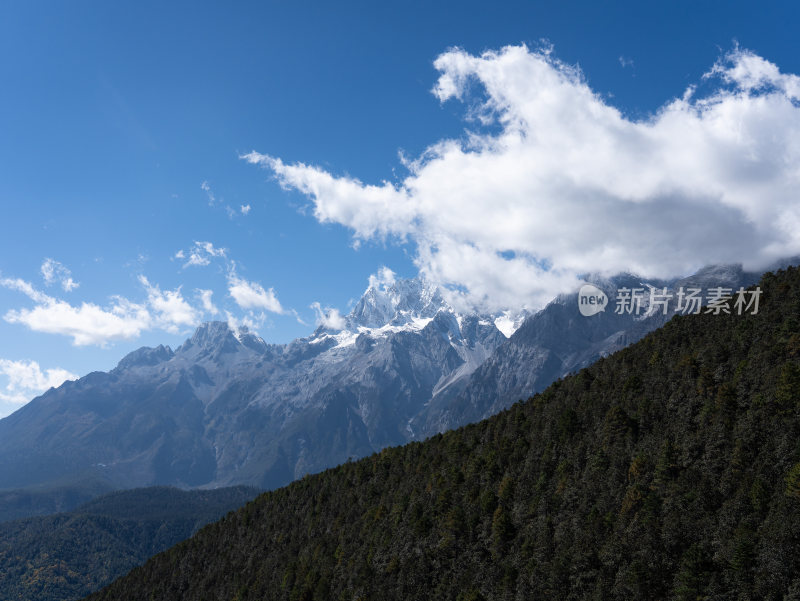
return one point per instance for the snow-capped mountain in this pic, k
(410, 306)
(228, 408)
(559, 340)
(397, 303)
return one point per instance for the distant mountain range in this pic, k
(227, 408)
(44, 500)
(559, 340)
(669, 470)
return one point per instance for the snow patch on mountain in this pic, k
(509, 322)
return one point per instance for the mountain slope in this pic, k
(68, 555)
(668, 470)
(226, 408)
(558, 340)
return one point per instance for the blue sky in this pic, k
(124, 126)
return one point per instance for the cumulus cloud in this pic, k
(555, 182)
(25, 380)
(86, 323)
(205, 301)
(245, 209)
(170, 310)
(251, 322)
(252, 295)
(372, 211)
(200, 254)
(89, 323)
(381, 280)
(329, 317)
(53, 271)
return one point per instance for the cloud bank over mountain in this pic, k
(553, 181)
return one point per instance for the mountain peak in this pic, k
(211, 334)
(219, 336)
(388, 301)
(146, 356)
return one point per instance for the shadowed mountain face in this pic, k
(227, 408)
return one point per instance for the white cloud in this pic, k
(252, 295)
(750, 72)
(381, 280)
(200, 254)
(26, 380)
(86, 324)
(245, 209)
(170, 309)
(296, 315)
(26, 288)
(561, 183)
(372, 211)
(89, 323)
(205, 300)
(329, 317)
(53, 271)
(206, 187)
(251, 321)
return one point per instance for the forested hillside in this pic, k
(670, 470)
(68, 555)
(23, 503)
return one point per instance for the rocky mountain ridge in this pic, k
(228, 408)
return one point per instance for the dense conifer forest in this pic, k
(68, 555)
(670, 470)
